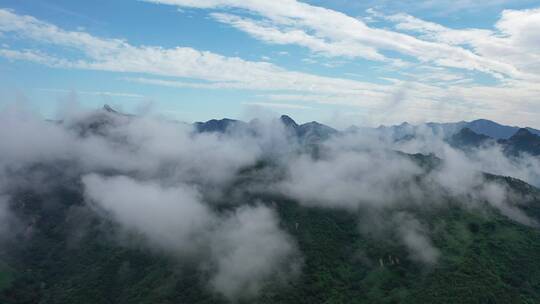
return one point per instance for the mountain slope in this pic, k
(523, 141)
(437, 236)
(467, 138)
(479, 252)
(491, 129)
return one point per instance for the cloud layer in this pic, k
(245, 248)
(198, 196)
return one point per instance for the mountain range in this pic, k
(109, 209)
(523, 141)
(480, 126)
(463, 134)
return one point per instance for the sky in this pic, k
(340, 62)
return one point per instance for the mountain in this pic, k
(220, 126)
(288, 122)
(484, 256)
(109, 109)
(316, 128)
(426, 242)
(97, 122)
(447, 130)
(307, 133)
(523, 141)
(465, 135)
(315, 131)
(491, 129)
(398, 132)
(467, 138)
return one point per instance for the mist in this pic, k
(170, 185)
(6, 219)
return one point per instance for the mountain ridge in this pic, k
(479, 126)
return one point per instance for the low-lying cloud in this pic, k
(170, 185)
(244, 248)
(248, 249)
(171, 218)
(415, 237)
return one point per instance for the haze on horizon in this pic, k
(338, 62)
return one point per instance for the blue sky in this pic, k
(341, 62)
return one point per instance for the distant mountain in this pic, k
(220, 126)
(398, 132)
(314, 130)
(97, 122)
(467, 138)
(523, 141)
(491, 128)
(288, 122)
(462, 134)
(109, 109)
(447, 130)
(495, 130)
(310, 132)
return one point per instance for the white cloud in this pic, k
(268, 32)
(277, 105)
(172, 218)
(449, 94)
(415, 237)
(249, 249)
(183, 62)
(93, 93)
(245, 248)
(512, 43)
(33, 56)
(289, 21)
(453, 6)
(159, 184)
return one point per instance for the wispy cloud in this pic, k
(333, 33)
(277, 105)
(183, 62)
(513, 42)
(93, 93)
